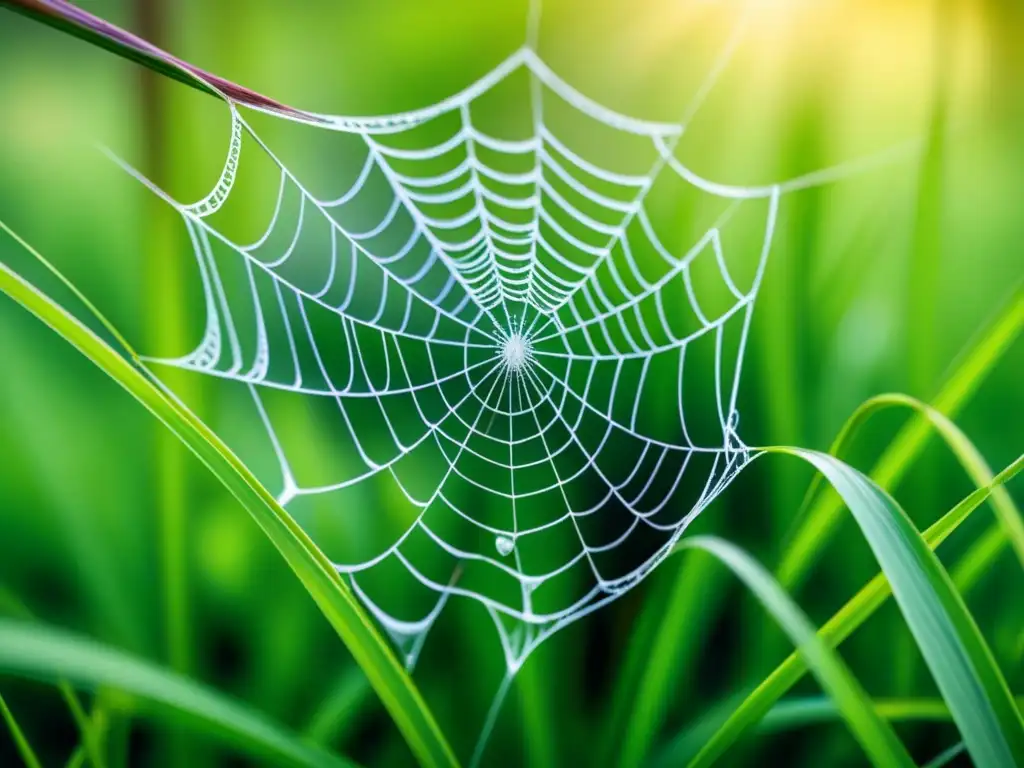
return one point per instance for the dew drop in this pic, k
(504, 545)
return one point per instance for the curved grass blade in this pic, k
(25, 751)
(952, 645)
(651, 667)
(318, 576)
(959, 445)
(819, 523)
(722, 728)
(925, 595)
(40, 652)
(874, 734)
(1009, 523)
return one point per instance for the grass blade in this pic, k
(644, 711)
(72, 20)
(819, 524)
(952, 645)
(798, 712)
(656, 653)
(756, 706)
(947, 756)
(647, 676)
(318, 576)
(41, 652)
(339, 710)
(874, 734)
(959, 445)
(25, 750)
(91, 736)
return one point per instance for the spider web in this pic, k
(493, 330)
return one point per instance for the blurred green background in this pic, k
(876, 283)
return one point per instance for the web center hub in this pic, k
(516, 352)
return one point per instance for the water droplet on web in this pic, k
(504, 545)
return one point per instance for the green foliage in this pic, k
(875, 735)
(815, 523)
(39, 652)
(28, 755)
(873, 283)
(957, 654)
(851, 616)
(316, 573)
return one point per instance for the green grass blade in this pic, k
(10, 603)
(802, 711)
(338, 711)
(947, 756)
(842, 624)
(98, 724)
(72, 20)
(40, 652)
(956, 441)
(874, 734)
(318, 576)
(656, 652)
(974, 563)
(952, 645)
(797, 712)
(644, 711)
(25, 750)
(538, 713)
(818, 525)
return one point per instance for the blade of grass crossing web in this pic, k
(876, 737)
(39, 652)
(318, 576)
(739, 719)
(73, 20)
(25, 751)
(818, 525)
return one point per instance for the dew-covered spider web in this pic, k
(525, 366)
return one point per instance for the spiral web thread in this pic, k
(514, 338)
